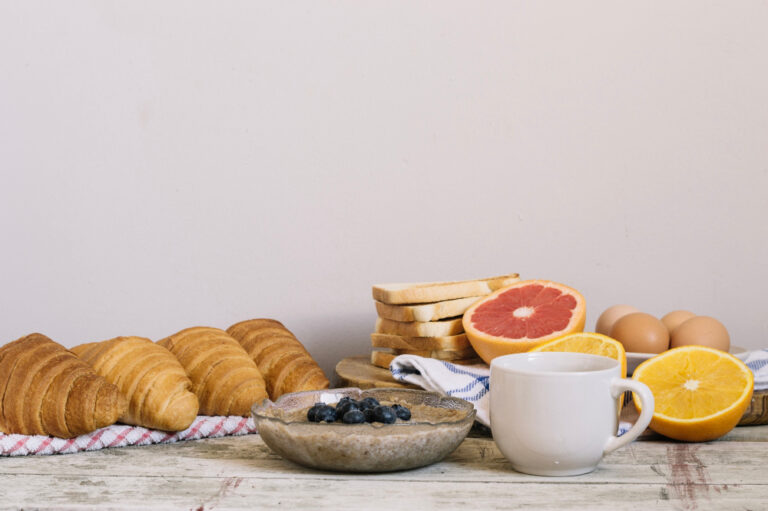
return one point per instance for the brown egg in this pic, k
(641, 333)
(673, 319)
(610, 316)
(703, 331)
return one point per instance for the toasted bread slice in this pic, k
(449, 355)
(428, 292)
(438, 328)
(399, 342)
(426, 311)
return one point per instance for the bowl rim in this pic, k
(267, 404)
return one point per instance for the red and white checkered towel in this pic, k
(119, 435)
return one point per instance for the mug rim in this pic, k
(609, 364)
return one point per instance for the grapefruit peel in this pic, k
(521, 316)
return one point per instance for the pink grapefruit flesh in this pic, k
(519, 317)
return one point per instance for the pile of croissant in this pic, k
(46, 389)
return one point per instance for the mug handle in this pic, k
(641, 390)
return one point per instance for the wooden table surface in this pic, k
(242, 472)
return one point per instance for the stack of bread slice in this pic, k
(425, 319)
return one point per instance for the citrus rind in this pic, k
(591, 340)
(704, 428)
(490, 346)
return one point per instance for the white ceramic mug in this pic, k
(556, 414)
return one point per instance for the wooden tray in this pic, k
(359, 372)
(757, 413)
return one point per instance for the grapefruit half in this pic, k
(522, 316)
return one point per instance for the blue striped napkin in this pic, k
(757, 361)
(472, 382)
(465, 382)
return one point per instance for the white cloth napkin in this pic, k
(466, 382)
(472, 382)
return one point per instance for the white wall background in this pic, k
(169, 164)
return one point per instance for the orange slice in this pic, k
(700, 393)
(588, 342)
(522, 316)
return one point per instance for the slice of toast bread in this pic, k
(429, 292)
(439, 328)
(399, 342)
(426, 311)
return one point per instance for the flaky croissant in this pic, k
(154, 382)
(286, 365)
(47, 390)
(224, 378)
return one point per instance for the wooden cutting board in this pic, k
(359, 372)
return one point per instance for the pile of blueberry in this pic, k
(350, 411)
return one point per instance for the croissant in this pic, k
(157, 388)
(286, 365)
(47, 390)
(224, 378)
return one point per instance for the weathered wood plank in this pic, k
(241, 472)
(204, 493)
(757, 433)
(476, 459)
(751, 432)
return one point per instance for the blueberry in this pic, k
(312, 412)
(369, 402)
(369, 415)
(325, 413)
(346, 406)
(353, 417)
(402, 412)
(384, 414)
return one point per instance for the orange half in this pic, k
(589, 342)
(701, 393)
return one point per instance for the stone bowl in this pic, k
(437, 426)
